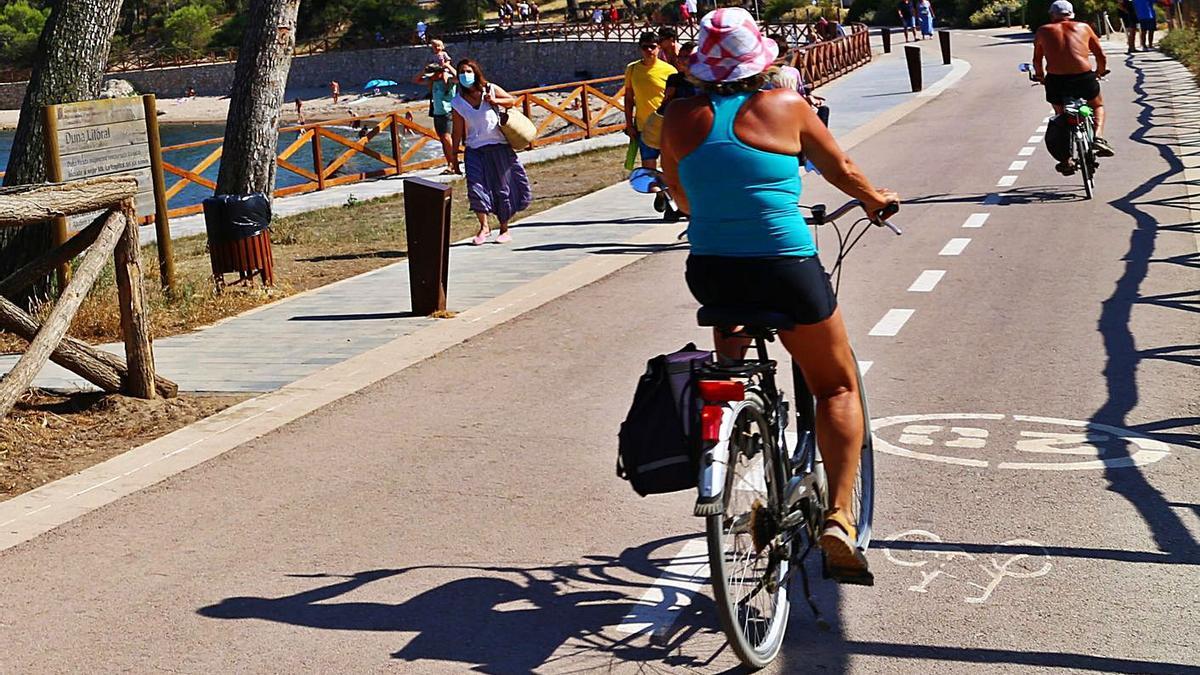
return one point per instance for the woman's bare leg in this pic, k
(483, 223)
(822, 351)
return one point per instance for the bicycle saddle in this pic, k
(722, 317)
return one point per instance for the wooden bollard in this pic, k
(944, 37)
(912, 54)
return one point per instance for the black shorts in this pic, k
(441, 124)
(792, 285)
(1148, 24)
(1060, 88)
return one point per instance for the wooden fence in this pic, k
(561, 112)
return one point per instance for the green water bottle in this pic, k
(631, 154)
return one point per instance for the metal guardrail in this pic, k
(562, 113)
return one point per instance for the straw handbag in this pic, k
(518, 129)
(652, 132)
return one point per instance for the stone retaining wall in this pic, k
(513, 65)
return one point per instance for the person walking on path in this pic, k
(1128, 22)
(645, 85)
(1147, 22)
(442, 90)
(750, 245)
(496, 181)
(925, 17)
(335, 90)
(908, 20)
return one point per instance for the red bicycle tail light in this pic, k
(710, 423)
(719, 391)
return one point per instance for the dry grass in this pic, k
(311, 250)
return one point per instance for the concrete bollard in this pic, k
(886, 34)
(912, 54)
(427, 224)
(944, 37)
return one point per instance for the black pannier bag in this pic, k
(656, 451)
(1058, 138)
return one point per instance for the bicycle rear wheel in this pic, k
(1085, 166)
(749, 578)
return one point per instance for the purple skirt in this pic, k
(496, 181)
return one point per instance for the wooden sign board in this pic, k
(110, 137)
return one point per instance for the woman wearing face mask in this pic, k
(496, 181)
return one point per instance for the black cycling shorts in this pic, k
(1060, 88)
(792, 285)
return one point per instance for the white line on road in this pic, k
(891, 323)
(927, 281)
(1006, 181)
(1034, 139)
(1017, 166)
(1042, 129)
(1026, 151)
(680, 580)
(976, 220)
(864, 366)
(955, 246)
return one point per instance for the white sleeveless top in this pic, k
(483, 123)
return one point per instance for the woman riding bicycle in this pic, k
(730, 156)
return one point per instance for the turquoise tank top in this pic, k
(744, 200)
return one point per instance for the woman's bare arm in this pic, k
(456, 137)
(497, 96)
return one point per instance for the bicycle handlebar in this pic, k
(880, 218)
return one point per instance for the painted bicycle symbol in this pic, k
(980, 574)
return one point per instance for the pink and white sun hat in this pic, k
(730, 47)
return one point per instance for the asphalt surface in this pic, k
(463, 515)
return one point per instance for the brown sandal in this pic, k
(844, 561)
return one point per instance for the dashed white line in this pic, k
(955, 246)
(1026, 151)
(891, 323)
(1017, 166)
(1006, 181)
(1034, 139)
(976, 220)
(1042, 129)
(927, 280)
(864, 366)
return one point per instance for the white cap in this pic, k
(1062, 8)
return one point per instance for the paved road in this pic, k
(463, 514)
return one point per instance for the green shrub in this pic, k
(20, 27)
(992, 14)
(1183, 45)
(189, 29)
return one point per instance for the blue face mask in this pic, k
(466, 79)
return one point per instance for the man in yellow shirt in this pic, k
(645, 82)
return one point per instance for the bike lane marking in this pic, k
(864, 366)
(924, 552)
(1034, 139)
(683, 578)
(955, 246)
(1006, 181)
(976, 220)
(927, 281)
(891, 323)
(1018, 165)
(1026, 151)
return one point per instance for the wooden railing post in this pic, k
(318, 165)
(396, 154)
(587, 112)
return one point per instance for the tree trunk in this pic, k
(252, 128)
(69, 66)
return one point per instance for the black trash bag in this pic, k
(1058, 138)
(233, 217)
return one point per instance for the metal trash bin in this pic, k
(239, 237)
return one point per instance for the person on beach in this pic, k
(335, 90)
(750, 245)
(443, 88)
(496, 181)
(299, 111)
(908, 21)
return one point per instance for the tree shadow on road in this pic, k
(1123, 355)
(510, 619)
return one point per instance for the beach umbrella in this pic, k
(379, 84)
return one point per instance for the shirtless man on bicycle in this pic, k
(1066, 45)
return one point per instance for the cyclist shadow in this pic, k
(503, 619)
